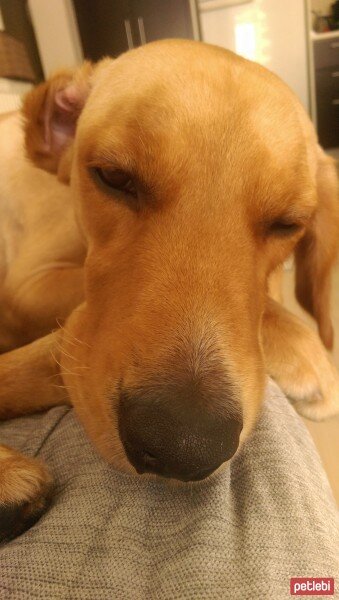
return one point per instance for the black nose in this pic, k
(176, 437)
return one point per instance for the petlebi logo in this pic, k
(312, 586)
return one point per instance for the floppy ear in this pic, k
(317, 251)
(51, 111)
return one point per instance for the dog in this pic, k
(41, 247)
(194, 174)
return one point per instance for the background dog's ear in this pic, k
(317, 251)
(51, 111)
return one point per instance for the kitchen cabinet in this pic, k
(158, 20)
(104, 27)
(326, 63)
(110, 27)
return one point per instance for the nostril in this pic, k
(145, 462)
(149, 459)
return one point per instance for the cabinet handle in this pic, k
(142, 31)
(335, 73)
(129, 34)
(335, 102)
(334, 44)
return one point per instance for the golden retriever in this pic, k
(41, 247)
(195, 174)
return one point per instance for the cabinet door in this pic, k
(327, 95)
(104, 27)
(326, 53)
(159, 19)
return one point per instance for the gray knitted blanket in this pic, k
(241, 535)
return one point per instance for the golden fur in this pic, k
(230, 181)
(41, 248)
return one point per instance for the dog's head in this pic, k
(194, 179)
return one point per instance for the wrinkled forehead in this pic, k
(170, 103)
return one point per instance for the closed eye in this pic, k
(115, 180)
(281, 228)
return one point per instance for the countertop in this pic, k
(324, 36)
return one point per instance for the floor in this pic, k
(325, 434)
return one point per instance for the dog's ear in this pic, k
(317, 251)
(50, 112)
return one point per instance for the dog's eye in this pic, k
(283, 228)
(116, 180)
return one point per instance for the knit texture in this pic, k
(241, 535)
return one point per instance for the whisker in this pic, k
(65, 372)
(63, 351)
(68, 340)
(65, 387)
(70, 373)
(80, 367)
(55, 359)
(81, 342)
(71, 335)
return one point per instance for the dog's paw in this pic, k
(25, 486)
(318, 406)
(315, 410)
(299, 363)
(312, 387)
